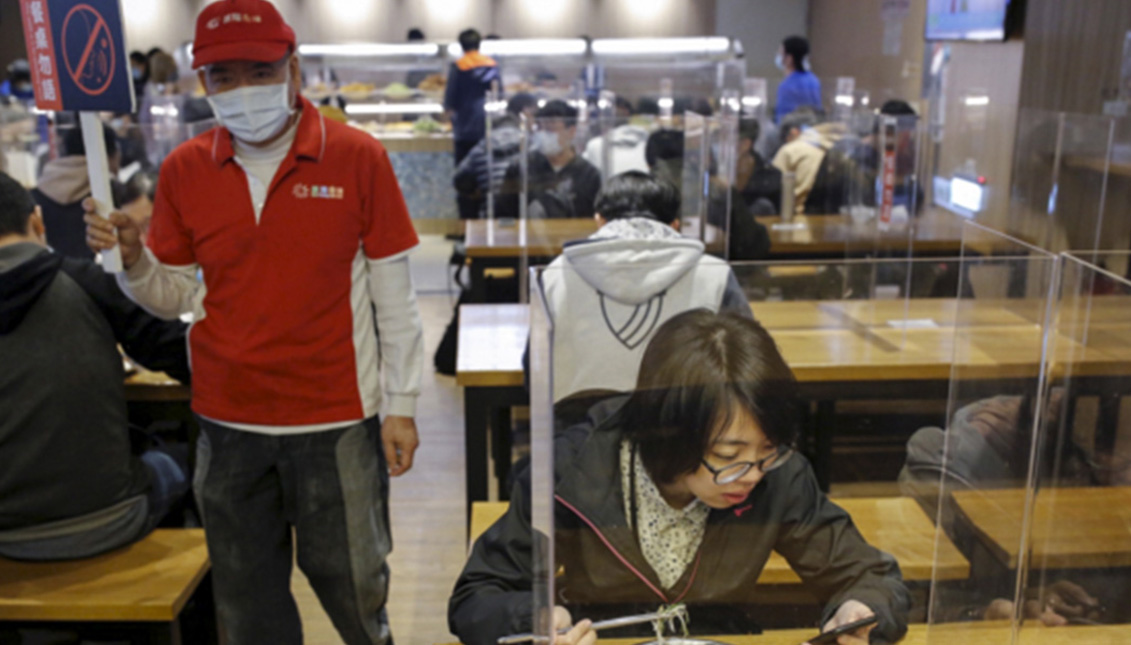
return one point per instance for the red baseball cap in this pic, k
(241, 30)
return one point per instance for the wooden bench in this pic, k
(895, 525)
(147, 583)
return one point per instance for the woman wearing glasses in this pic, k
(678, 493)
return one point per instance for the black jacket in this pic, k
(64, 441)
(594, 550)
(570, 192)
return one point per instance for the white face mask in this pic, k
(779, 61)
(547, 143)
(255, 113)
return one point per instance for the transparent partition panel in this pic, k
(970, 473)
(542, 436)
(1075, 546)
(685, 166)
(879, 155)
(22, 142)
(683, 488)
(1070, 182)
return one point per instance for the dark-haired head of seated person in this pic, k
(559, 182)
(747, 238)
(704, 442)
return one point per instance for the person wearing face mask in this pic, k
(800, 88)
(559, 183)
(17, 87)
(678, 491)
(302, 236)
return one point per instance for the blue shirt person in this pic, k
(801, 88)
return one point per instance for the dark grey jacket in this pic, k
(603, 571)
(64, 441)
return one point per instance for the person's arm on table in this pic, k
(159, 345)
(823, 546)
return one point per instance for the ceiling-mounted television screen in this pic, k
(968, 19)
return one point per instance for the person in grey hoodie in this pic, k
(609, 293)
(64, 183)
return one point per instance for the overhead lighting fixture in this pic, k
(638, 46)
(665, 103)
(972, 101)
(370, 49)
(526, 47)
(393, 108)
(844, 100)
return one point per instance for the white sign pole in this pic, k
(98, 166)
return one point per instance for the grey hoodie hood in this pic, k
(65, 180)
(631, 260)
(629, 136)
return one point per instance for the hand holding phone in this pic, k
(830, 637)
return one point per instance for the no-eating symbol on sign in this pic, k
(92, 68)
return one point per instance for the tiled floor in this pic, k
(429, 546)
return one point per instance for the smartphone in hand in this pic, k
(829, 637)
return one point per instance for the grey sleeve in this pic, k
(734, 299)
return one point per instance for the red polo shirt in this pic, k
(277, 343)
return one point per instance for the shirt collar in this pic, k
(310, 137)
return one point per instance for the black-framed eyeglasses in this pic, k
(734, 472)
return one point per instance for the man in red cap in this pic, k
(300, 233)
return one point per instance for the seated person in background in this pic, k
(609, 293)
(559, 183)
(70, 487)
(757, 181)
(475, 177)
(804, 145)
(681, 490)
(626, 144)
(988, 445)
(62, 186)
(137, 199)
(749, 239)
(850, 169)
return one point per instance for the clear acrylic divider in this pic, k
(642, 395)
(1075, 534)
(970, 473)
(1070, 182)
(22, 134)
(541, 461)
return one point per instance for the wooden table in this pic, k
(501, 243)
(864, 349)
(1072, 528)
(144, 385)
(986, 633)
(491, 343)
(147, 582)
(963, 633)
(895, 525)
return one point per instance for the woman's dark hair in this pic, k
(796, 48)
(699, 371)
(414, 34)
(638, 194)
(469, 40)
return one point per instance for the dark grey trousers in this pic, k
(329, 490)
